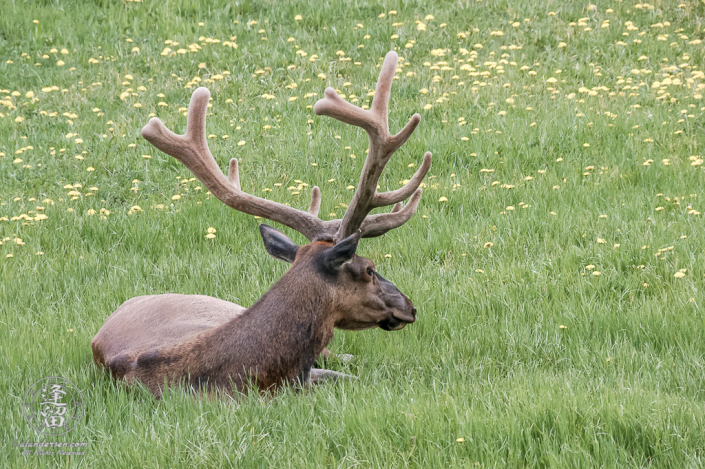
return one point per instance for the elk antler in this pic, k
(192, 150)
(382, 146)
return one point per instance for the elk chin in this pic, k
(354, 325)
(392, 324)
(398, 320)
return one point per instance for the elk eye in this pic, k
(370, 272)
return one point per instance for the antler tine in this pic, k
(315, 201)
(192, 150)
(382, 146)
(397, 196)
(383, 90)
(234, 174)
(377, 225)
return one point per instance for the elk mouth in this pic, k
(398, 320)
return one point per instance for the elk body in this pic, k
(207, 343)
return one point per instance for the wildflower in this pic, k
(443, 199)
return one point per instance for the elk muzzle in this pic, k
(402, 311)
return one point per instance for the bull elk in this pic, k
(210, 344)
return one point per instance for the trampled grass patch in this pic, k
(557, 258)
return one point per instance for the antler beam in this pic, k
(382, 146)
(192, 150)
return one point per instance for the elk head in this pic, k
(362, 298)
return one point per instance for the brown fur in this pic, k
(208, 343)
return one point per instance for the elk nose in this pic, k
(413, 311)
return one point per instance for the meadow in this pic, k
(557, 258)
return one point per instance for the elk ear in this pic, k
(277, 244)
(342, 252)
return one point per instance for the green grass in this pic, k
(621, 385)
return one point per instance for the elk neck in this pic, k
(279, 337)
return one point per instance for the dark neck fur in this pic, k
(276, 340)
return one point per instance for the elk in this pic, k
(209, 344)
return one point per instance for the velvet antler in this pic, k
(382, 146)
(192, 150)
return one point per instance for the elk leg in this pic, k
(319, 376)
(328, 355)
